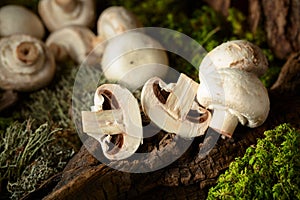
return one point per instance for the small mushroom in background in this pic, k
(57, 14)
(239, 54)
(234, 96)
(114, 121)
(75, 42)
(16, 19)
(173, 107)
(132, 58)
(116, 20)
(26, 64)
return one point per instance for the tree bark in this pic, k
(192, 174)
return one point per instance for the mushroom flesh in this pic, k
(61, 13)
(16, 19)
(26, 64)
(114, 121)
(173, 107)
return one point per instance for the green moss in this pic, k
(268, 171)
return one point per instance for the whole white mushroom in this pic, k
(132, 58)
(16, 19)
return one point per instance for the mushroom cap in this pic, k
(133, 53)
(115, 20)
(16, 19)
(122, 121)
(25, 63)
(55, 16)
(238, 54)
(236, 91)
(77, 41)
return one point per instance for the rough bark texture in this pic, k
(282, 24)
(187, 178)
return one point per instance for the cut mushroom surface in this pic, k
(173, 107)
(26, 64)
(16, 19)
(234, 96)
(57, 14)
(239, 54)
(73, 41)
(114, 121)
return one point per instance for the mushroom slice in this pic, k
(173, 107)
(116, 20)
(239, 54)
(61, 13)
(26, 64)
(235, 96)
(16, 19)
(74, 41)
(114, 121)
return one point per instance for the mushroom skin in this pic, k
(173, 107)
(116, 20)
(133, 53)
(15, 19)
(234, 96)
(239, 54)
(74, 41)
(61, 13)
(114, 121)
(26, 64)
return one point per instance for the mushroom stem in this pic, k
(182, 97)
(223, 122)
(67, 5)
(106, 122)
(27, 52)
(59, 51)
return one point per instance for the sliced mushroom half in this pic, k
(173, 107)
(114, 121)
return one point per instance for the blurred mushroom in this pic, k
(234, 96)
(25, 63)
(16, 19)
(7, 99)
(115, 121)
(115, 20)
(173, 107)
(132, 58)
(238, 54)
(60, 13)
(74, 41)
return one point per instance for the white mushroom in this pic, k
(60, 13)
(115, 121)
(116, 20)
(73, 41)
(25, 63)
(132, 58)
(238, 54)
(173, 107)
(234, 96)
(16, 19)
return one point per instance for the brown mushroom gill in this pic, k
(116, 141)
(193, 115)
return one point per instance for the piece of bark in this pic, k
(281, 20)
(221, 6)
(289, 77)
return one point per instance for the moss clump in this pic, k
(268, 171)
(29, 156)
